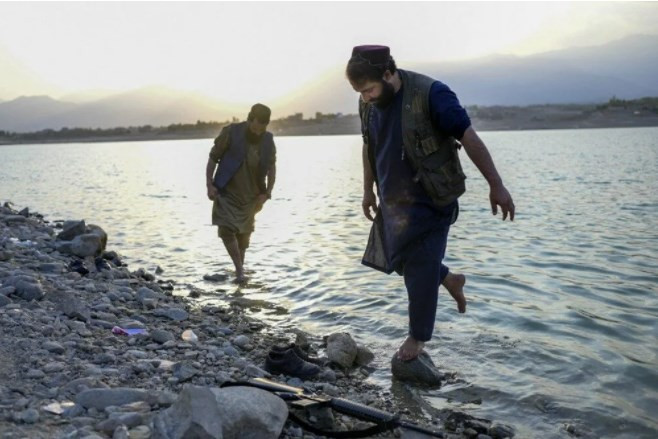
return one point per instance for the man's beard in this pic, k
(386, 96)
(253, 138)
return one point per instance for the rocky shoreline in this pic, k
(91, 349)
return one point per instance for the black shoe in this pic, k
(300, 353)
(287, 362)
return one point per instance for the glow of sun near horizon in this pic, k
(243, 52)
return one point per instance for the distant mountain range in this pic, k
(626, 68)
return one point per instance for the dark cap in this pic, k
(260, 112)
(373, 54)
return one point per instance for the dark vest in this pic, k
(433, 154)
(236, 154)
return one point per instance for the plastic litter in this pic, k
(128, 331)
(57, 408)
(189, 335)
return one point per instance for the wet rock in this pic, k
(176, 314)
(232, 412)
(501, 431)
(101, 398)
(215, 277)
(364, 356)
(71, 229)
(14, 219)
(145, 293)
(420, 370)
(341, 349)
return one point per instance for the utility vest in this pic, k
(432, 153)
(236, 154)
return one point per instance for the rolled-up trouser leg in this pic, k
(423, 273)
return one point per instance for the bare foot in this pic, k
(240, 278)
(454, 283)
(410, 349)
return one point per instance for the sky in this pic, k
(242, 52)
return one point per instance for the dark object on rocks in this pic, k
(420, 370)
(78, 266)
(102, 264)
(25, 212)
(287, 362)
(300, 353)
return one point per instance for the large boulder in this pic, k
(101, 398)
(420, 370)
(228, 413)
(81, 240)
(71, 229)
(341, 349)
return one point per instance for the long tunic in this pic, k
(235, 208)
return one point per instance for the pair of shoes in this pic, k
(300, 353)
(288, 362)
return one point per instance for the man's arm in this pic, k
(369, 198)
(210, 170)
(479, 155)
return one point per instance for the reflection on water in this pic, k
(562, 323)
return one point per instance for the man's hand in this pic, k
(499, 196)
(260, 201)
(369, 202)
(213, 193)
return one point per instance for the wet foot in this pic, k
(240, 279)
(454, 283)
(410, 349)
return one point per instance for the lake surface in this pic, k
(562, 319)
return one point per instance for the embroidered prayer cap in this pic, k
(372, 54)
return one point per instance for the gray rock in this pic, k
(54, 367)
(231, 351)
(71, 229)
(14, 219)
(501, 431)
(341, 349)
(35, 374)
(121, 432)
(255, 371)
(420, 370)
(184, 371)
(93, 229)
(364, 356)
(234, 412)
(7, 291)
(161, 336)
(215, 277)
(128, 419)
(101, 398)
(145, 293)
(176, 314)
(51, 267)
(54, 347)
(25, 212)
(27, 287)
(30, 416)
(4, 300)
(74, 308)
(241, 341)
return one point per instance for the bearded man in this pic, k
(412, 128)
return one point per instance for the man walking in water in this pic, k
(412, 127)
(245, 157)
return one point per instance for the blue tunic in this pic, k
(408, 212)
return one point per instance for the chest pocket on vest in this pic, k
(440, 171)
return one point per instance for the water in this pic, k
(562, 321)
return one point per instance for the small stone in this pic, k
(241, 341)
(35, 374)
(183, 371)
(54, 347)
(30, 416)
(176, 314)
(54, 367)
(161, 336)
